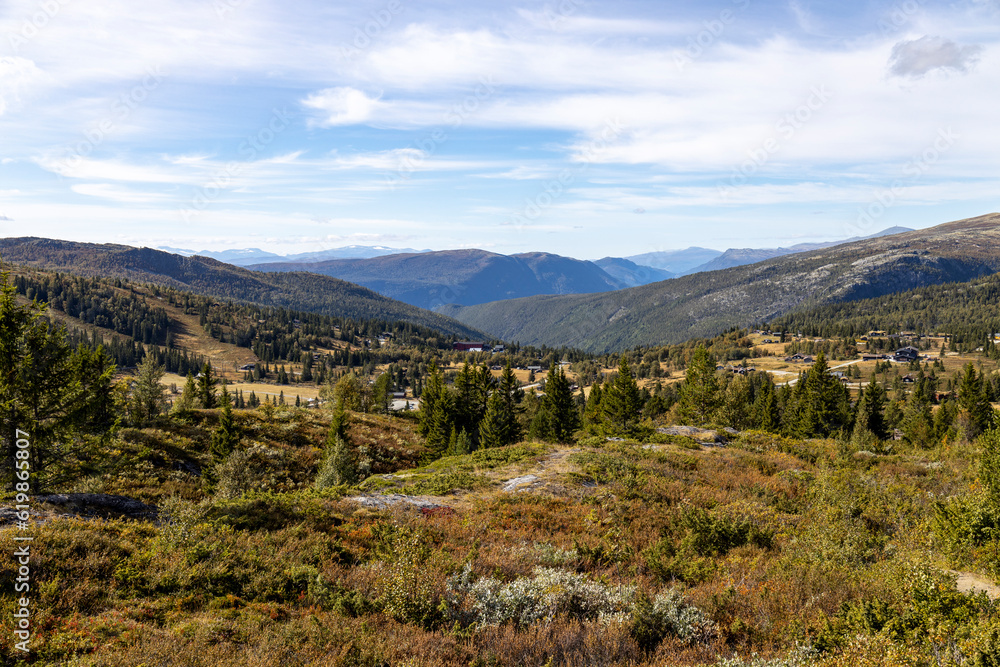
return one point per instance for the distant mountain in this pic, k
(740, 256)
(349, 252)
(249, 256)
(704, 304)
(434, 279)
(241, 257)
(678, 262)
(301, 291)
(631, 274)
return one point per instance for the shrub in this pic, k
(668, 615)
(540, 598)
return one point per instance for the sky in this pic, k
(586, 129)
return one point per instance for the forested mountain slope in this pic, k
(704, 304)
(301, 291)
(464, 277)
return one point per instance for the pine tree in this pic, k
(513, 397)
(621, 403)
(764, 413)
(918, 421)
(206, 388)
(188, 397)
(226, 437)
(338, 466)
(441, 426)
(592, 411)
(977, 413)
(382, 394)
(147, 392)
(699, 393)
(494, 429)
(869, 411)
(823, 404)
(563, 416)
(431, 394)
(58, 396)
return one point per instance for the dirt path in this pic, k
(969, 582)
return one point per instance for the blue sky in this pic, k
(581, 128)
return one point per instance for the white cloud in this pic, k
(117, 193)
(917, 57)
(15, 75)
(343, 106)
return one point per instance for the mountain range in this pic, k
(308, 292)
(465, 277)
(707, 303)
(248, 256)
(606, 305)
(468, 277)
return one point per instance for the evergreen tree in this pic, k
(338, 466)
(147, 392)
(512, 396)
(382, 394)
(764, 413)
(976, 411)
(823, 402)
(434, 391)
(541, 423)
(188, 397)
(592, 411)
(225, 437)
(563, 416)
(441, 425)
(699, 394)
(869, 411)
(621, 403)
(206, 388)
(918, 421)
(57, 396)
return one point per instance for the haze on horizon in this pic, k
(570, 127)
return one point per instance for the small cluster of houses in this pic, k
(738, 370)
(800, 359)
(903, 355)
(475, 346)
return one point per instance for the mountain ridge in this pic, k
(703, 304)
(464, 277)
(300, 291)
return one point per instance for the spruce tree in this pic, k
(189, 395)
(592, 411)
(563, 416)
(621, 403)
(493, 428)
(433, 391)
(699, 393)
(869, 411)
(147, 392)
(974, 402)
(225, 437)
(823, 402)
(206, 388)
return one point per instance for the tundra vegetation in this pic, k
(675, 514)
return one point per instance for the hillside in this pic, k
(464, 277)
(301, 291)
(703, 304)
